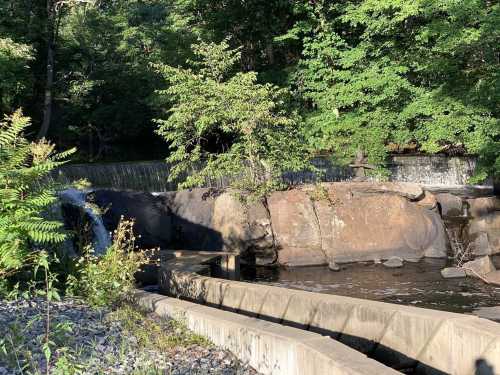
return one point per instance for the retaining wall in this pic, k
(268, 347)
(428, 341)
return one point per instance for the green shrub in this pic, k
(25, 195)
(108, 280)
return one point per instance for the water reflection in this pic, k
(418, 284)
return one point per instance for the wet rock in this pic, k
(393, 262)
(451, 205)
(453, 272)
(479, 267)
(332, 266)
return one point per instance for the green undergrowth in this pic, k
(130, 331)
(154, 333)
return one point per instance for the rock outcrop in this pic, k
(206, 219)
(451, 205)
(341, 224)
(484, 227)
(152, 218)
(310, 225)
(296, 228)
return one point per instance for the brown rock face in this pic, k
(342, 225)
(311, 225)
(379, 226)
(485, 232)
(483, 206)
(429, 201)
(451, 205)
(296, 229)
(243, 227)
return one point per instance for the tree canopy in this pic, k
(358, 76)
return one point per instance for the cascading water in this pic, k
(100, 237)
(436, 170)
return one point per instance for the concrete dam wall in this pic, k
(152, 176)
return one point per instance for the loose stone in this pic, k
(453, 272)
(333, 266)
(393, 262)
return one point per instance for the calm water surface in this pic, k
(418, 284)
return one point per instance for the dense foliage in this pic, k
(108, 280)
(367, 76)
(381, 76)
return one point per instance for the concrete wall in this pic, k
(431, 342)
(153, 175)
(268, 347)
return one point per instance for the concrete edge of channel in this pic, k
(270, 348)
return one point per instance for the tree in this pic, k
(14, 72)
(25, 195)
(256, 139)
(55, 10)
(381, 76)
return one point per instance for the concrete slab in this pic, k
(268, 347)
(458, 344)
(398, 335)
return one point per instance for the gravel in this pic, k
(92, 341)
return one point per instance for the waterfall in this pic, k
(433, 170)
(101, 239)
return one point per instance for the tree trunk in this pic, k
(48, 95)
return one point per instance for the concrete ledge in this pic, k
(430, 341)
(268, 347)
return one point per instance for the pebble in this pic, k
(106, 345)
(333, 266)
(393, 262)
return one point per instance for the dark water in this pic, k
(416, 284)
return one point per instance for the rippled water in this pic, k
(418, 284)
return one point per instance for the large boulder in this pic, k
(208, 219)
(192, 212)
(407, 190)
(152, 217)
(343, 225)
(484, 232)
(428, 201)
(483, 206)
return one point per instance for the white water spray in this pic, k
(101, 239)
